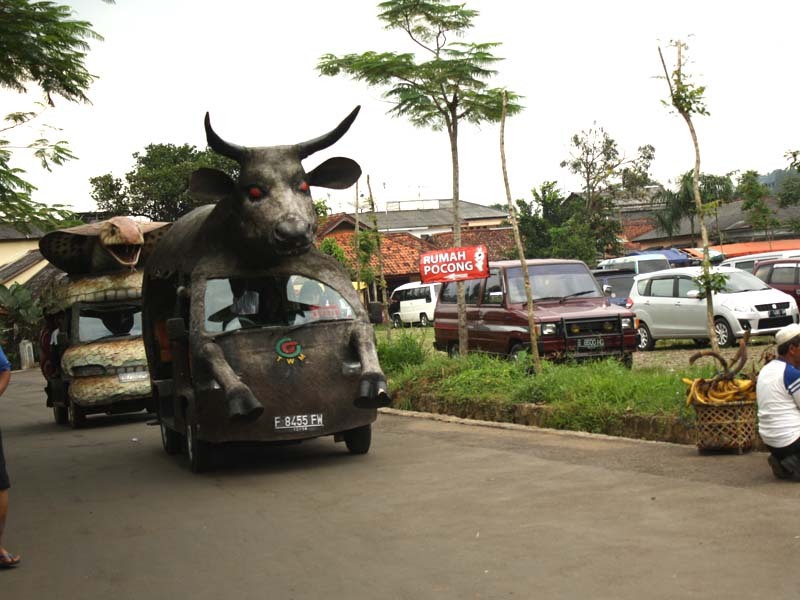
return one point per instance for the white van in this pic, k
(748, 261)
(639, 263)
(413, 303)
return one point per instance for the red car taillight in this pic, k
(628, 302)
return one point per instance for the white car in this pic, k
(669, 305)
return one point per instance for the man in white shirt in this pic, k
(778, 395)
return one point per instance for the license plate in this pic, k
(591, 343)
(133, 376)
(298, 422)
(780, 312)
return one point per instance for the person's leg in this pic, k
(785, 462)
(6, 558)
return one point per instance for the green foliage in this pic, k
(400, 351)
(714, 190)
(39, 44)
(685, 97)
(753, 193)
(332, 248)
(606, 173)
(157, 187)
(22, 317)
(794, 159)
(789, 190)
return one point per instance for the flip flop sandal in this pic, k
(8, 561)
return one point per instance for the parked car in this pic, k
(638, 263)
(616, 284)
(574, 319)
(781, 274)
(413, 302)
(669, 304)
(749, 261)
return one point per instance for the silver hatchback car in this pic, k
(669, 305)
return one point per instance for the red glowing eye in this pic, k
(304, 187)
(255, 192)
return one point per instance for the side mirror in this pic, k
(607, 290)
(176, 329)
(694, 294)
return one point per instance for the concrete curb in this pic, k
(517, 427)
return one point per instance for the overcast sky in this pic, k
(251, 64)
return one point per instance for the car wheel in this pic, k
(516, 350)
(646, 341)
(170, 439)
(75, 415)
(452, 350)
(627, 360)
(724, 334)
(358, 440)
(197, 451)
(700, 342)
(60, 414)
(423, 320)
(397, 323)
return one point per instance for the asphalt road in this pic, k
(435, 510)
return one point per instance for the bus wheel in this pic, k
(397, 323)
(170, 439)
(197, 451)
(358, 440)
(60, 414)
(75, 415)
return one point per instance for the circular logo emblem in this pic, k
(289, 349)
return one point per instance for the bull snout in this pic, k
(293, 234)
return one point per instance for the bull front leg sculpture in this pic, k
(264, 218)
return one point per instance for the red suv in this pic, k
(781, 274)
(574, 319)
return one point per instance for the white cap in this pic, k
(787, 333)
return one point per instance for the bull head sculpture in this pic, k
(274, 213)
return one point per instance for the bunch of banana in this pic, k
(724, 387)
(720, 391)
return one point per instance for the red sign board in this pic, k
(454, 264)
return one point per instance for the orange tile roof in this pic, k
(400, 251)
(499, 242)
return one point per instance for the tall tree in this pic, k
(40, 45)
(440, 93)
(157, 187)
(606, 173)
(753, 195)
(687, 99)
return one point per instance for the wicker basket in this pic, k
(729, 426)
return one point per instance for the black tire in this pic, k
(198, 452)
(452, 350)
(627, 360)
(423, 320)
(516, 350)
(60, 414)
(646, 341)
(724, 333)
(75, 415)
(397, 322)
(701, 342)
(171, 440)
(358, 440)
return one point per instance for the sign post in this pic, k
(454, 264)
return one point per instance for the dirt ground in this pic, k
(675, 354)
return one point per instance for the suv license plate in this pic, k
(780, 312)
(298, 422)
(591, 343)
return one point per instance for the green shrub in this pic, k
(399, 351)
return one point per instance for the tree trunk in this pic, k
(357, 249)
(537, 361)
(698, 202)
(463, 340)
(381, 278)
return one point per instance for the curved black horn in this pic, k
(220, 146)
(330, 138)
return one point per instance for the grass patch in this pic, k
(593, 397)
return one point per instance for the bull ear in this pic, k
(210, 185)
(336, 173)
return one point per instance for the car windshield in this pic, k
(105, 321)
(553, 282)
(271, 301)
(740, 281)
